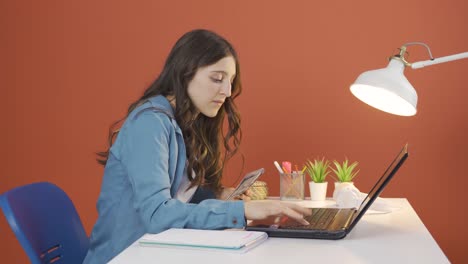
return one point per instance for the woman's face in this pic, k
(211, 85)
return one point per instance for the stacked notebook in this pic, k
(237, 241)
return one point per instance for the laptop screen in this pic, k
(378, 187)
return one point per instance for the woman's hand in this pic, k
(260, 210)
(227, 191)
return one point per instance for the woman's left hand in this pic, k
(227, 191)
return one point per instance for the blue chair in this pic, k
(46, 223)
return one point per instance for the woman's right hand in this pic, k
(260, 210)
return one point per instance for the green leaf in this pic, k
(317, 170)
(343, 172)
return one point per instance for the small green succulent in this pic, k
(343, 172)
(317, 170)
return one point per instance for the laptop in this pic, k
(330, 223)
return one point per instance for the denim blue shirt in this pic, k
(145, 166)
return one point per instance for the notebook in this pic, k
(330, 223)
(236, 241)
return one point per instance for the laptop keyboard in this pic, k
(320, 219)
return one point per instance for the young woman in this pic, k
(164, 167)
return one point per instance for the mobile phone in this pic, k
(246, 182)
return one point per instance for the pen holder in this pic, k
(292, 186)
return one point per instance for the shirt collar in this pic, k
(162, 102)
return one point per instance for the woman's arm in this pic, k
(145, 154)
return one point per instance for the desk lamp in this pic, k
(387, 89)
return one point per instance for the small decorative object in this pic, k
(348, 196)
(318, 171)
(344, 175)
(259, 190)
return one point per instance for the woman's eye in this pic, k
(216, 80)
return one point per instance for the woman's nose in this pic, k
(226, 89)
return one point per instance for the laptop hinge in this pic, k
(348, 221)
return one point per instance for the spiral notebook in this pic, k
(236, 241)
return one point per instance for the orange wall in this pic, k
(70, 68)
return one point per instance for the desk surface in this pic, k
(397, 237)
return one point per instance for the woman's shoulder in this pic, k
(156, 104)
(148, 120)
(156, 111)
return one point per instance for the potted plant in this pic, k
(318, 171)
(344, 174)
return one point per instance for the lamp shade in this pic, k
(387, 89)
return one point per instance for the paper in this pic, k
(226, 240)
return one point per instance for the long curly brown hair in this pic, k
(204, 137)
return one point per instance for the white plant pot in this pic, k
(318, 191)
(339, 185)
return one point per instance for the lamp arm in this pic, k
(421, 64)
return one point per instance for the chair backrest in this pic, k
(46, 223)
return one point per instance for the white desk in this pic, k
(397, 237)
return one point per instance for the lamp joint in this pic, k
(401, 56)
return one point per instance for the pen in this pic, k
(278, 167)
